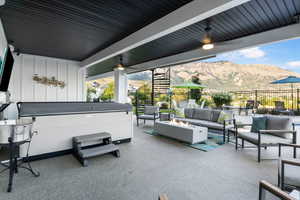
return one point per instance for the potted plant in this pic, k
(221, 99)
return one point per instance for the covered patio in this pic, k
(59, 45)
(149, 166)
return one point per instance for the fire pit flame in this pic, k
(179, 123)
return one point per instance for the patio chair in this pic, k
(289, 169)
(147, 112)
(250, 105)
(279, 106)
(265, 187)
(278, 130)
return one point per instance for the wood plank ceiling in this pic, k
(76, 29)
(253, 17)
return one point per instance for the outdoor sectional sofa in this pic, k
(209, 118)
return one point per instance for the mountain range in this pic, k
(229, 76)
(221, 76)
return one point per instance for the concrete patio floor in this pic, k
(148, 166)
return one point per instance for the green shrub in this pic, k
(208, 102)
(222, 99)
(108, 93)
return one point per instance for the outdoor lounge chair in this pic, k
(278, 130)
(289, 169)
(147, 113)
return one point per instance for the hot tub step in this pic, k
(97, 151)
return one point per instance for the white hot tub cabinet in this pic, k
(55, 132)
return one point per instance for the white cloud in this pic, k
(294, 63)
(251, 53)
(254, 52)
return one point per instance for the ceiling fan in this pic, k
(208, 42)
(120, 66)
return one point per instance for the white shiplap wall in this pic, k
(23, 88)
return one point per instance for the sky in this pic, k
(284, 54)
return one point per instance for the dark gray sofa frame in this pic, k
(259, 145)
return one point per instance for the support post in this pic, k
(121, 86)
(152, 86)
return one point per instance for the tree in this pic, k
(108, 93)
(143, 93)
(91, 92)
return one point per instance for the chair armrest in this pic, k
(290, 162)
(289, 145)
(277, 131)
(296, 124)
(265, 186)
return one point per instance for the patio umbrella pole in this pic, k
(292, 86)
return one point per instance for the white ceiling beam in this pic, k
(186, 15)
(274, 35)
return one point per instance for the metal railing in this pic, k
(267, 98)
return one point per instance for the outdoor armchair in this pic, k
(289, 169)
(147, 113)
(269, 137)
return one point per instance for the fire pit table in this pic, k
(181, 131)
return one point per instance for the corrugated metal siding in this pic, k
(249, 18)
(75, 29)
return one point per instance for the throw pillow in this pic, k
(258, 123)
(224, 116)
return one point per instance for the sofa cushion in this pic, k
(150, 110)
(265, 138)
(215, 115)
(258, 123)
(202, 114)
(225, 115)
(279, 123)
(188, 113)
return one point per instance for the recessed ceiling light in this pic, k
(120, 67)
(2, 2)
(208, 46)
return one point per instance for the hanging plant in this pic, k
(48, 81)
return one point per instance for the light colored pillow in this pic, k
(224, 116)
